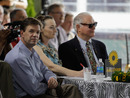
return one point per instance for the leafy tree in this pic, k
(31, 9)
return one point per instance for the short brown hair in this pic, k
(30, 21)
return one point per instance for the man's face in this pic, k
(20, 16)
(68, 23)
(84, 31)
(30, 36)
(58, 15)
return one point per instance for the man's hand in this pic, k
(52, 83)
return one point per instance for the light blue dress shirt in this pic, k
(30, 75)
(84, 49)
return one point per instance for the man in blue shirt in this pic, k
(31, 77)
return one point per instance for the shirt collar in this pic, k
(27, 52)
(83, 42)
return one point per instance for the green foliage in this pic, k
(31, 9)
(120, 76)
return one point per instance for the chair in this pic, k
(6, 84)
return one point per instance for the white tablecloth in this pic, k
(100, 89)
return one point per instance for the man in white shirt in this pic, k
(57, 12)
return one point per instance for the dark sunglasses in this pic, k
(89, 25)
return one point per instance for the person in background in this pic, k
(17, 15)
(6, 84)
(3, 39)
(3, 36)
(6, 18)
(48, 32)
(32, 79)
(6, 47)
(57, 12)
(67, 25)
(78, 51)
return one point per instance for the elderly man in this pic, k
(83, 49)
(32, 79)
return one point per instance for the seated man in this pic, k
(6, 84)
(83, 49)
(32, 79)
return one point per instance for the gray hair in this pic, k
(79, 19)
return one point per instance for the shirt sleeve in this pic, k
(47, 73)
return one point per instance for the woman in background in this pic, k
(44, 49)
(48, 32)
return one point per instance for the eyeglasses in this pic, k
(89, 25)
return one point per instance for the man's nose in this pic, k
(35, 34)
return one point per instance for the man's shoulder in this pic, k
(13, 55)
